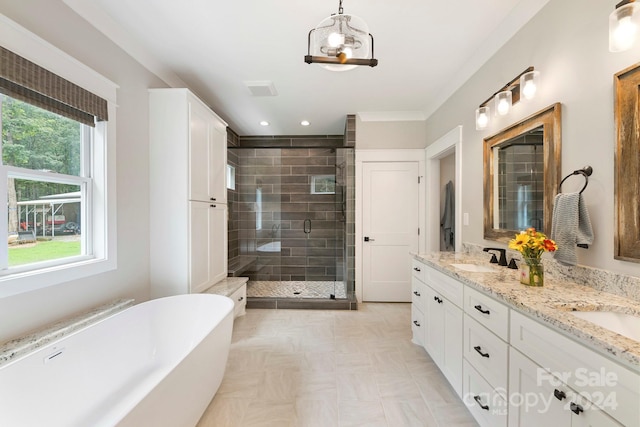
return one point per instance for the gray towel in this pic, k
(447, 223)
(570, 226)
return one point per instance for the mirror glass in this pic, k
(521, 175)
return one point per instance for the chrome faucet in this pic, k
(503, 256)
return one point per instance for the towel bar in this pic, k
(585, 171)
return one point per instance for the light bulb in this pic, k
(624, 33)
(335, 39)
(347, 51)
(503, 107)
(623, 27)
(529, 90)
(482, 118)
(529, 84)
(503, 102)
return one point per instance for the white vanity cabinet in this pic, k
(599, 392)
(441, 299)
(188, 211)
(418, 297)
(514, 370)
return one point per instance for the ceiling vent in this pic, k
(262, 88)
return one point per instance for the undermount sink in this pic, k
(624, 324)
(473, 268)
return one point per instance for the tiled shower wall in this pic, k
(521, 172)
(292, 263)
(274, 200)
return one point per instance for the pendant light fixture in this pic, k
(624, 23)
(340, 42)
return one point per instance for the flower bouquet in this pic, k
(532, 244)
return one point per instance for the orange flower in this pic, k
(549, 245)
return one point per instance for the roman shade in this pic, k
(28, 82)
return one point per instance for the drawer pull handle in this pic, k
(417, 269)
(416, 293)
(213, 206)
(479, 308)
(240, 299)
(477, 399)
(559, 394)
(479, 350)
(213, 199)
(438, 300)
(575, 408)
(415, 322)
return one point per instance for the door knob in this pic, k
(368, 239)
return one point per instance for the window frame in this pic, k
(101, 198)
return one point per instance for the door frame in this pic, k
(386, 156)
(450, 143)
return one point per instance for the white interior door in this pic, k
(390, 196)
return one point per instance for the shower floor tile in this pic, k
(291, 289)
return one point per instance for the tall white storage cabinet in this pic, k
(188, 202)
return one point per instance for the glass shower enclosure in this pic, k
(291, 218)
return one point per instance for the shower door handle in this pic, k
(307, 226)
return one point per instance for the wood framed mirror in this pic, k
(627, 165)
(522, 174)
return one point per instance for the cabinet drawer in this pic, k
(579, 367)
(417, 325)
(447, 286)
(418, 270)
(239, 298)
(418, 293)
(488, 312)
(487, 407)
(487, 353)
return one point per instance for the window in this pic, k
(231, 177)
(58, 169)
(323, 184)
(44, 157)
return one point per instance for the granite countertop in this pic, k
(16, 348)
(227, 286)
(550, 304)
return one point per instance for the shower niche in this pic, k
(291, 225)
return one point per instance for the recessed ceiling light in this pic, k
(264, 123)
(305, 123)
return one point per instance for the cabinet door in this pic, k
(536, 399)
(200, 151)
(434, 328)
(452, 345)
(199, 246)
(218, 162)
(218, 218)
(586, 414)
(207, 245)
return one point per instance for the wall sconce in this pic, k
(623, 26)
(525, 85)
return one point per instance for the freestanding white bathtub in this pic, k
(158, 363)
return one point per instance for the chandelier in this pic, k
(340, 42)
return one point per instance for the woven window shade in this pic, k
(28, 82)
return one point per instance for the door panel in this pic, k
(390, 227)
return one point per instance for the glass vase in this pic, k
(532, 272)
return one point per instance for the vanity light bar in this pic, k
(513, 86)
(508, 95)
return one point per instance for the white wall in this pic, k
(389, 134)
(57, 24)
(568, 43)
